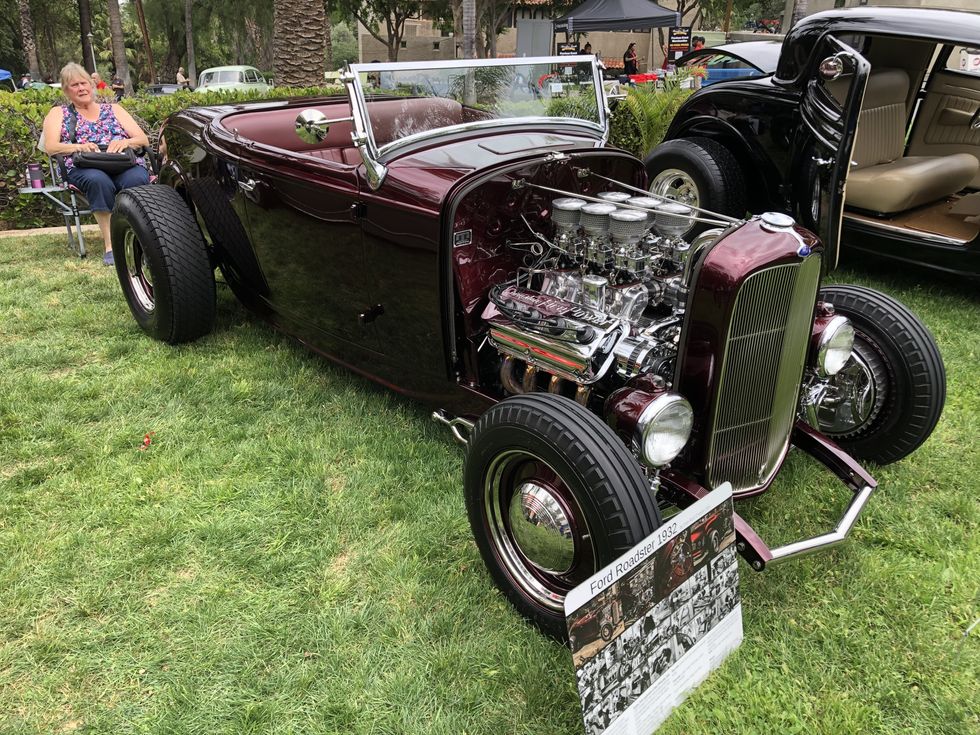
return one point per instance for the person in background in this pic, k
(182, 81)
(25, 81)
(96, 124)
(587, 48)
(629, 61)
(117, 86)
(697, 43)
(97, 81)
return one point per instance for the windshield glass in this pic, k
(439, 95)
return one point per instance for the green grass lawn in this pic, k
(291, 553)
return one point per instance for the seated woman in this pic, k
(108, 125)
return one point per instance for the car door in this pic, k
(308, 243)
(829, 109)
(948, 118)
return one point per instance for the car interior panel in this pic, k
(884, 180)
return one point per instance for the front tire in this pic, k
(552, 495)
(162, 264)
(890, 394)
(698, 172)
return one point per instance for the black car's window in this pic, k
(964, 59)
(719, 61)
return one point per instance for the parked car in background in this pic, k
(154, 90)
(483, 251)
(913, 176)
(245, 78)
(733, 60)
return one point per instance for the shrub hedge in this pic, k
(637, 125)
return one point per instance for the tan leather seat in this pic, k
(883, 180)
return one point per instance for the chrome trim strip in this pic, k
(832, 538)
(919, 234)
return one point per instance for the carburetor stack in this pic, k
(606, 298)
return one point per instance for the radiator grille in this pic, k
(760, 374)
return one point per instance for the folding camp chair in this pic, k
(69, 202)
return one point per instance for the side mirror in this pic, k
(833, 66)
(312, 126)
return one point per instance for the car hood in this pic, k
(425, 176)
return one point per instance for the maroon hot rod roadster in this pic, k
(461, 234)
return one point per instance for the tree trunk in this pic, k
(469, 29)
(146, 40)
(119, 45)
(27, 39)
(85, 27)
(189, 36)
(800, 10)
(328, 41)
(298, 43)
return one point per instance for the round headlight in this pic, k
(664, 428)
(836, 343)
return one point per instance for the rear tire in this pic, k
(552, 495)
(698, 172)
(162, 264)
(896, 375)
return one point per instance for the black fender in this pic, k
(765, 193)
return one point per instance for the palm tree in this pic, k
(119, 45)
(27, 38)
(189, 34)
(298, 43)
(146, 40)
(800, 10)
(85, 27)
(469, 29)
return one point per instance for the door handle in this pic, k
(823, 162)
(248, 185)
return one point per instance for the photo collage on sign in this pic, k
(625, 638)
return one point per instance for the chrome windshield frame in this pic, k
(375, 157)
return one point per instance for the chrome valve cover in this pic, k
(566, 339)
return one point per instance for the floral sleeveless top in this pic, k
(101, 131)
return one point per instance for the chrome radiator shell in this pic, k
(760, 374)
(740, 361)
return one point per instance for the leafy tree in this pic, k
(298, 43)
(387, 15)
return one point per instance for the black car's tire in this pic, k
(897, 358)
(162, 264)
(571, 470)
(700, 172)
(606, 631)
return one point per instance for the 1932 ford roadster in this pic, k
(465, 238)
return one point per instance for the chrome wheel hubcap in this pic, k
(138, 271)
(678, 185)
(541, 528)
(855, 395)
(536, 528)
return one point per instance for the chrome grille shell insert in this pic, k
(760, 374)
(746, 334)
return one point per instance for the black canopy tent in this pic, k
(616, 15)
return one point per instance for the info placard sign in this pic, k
(678, 41)
(652, 625)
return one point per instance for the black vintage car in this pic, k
(913, 174)
(448, 235)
